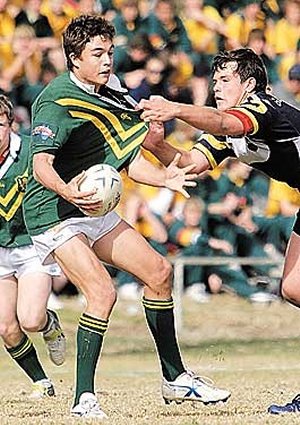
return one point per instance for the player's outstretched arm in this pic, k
(205, 118)
(172, 177)
(162, 150)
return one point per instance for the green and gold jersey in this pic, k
(13, 178)
(80, 128)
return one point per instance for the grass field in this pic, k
(252, 350)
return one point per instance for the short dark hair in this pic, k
(6, 108)
(249, 65)
(80, 31)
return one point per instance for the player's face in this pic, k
(229, 91)
(96, 61)
(4, 133)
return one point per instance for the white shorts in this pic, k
(22, 260)
(94, 228)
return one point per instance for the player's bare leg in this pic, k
(82, 267)
(34, 289)
(290, 287)
(17, 343)
(125, 248)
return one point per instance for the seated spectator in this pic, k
(190, 235)
(289, 89)
(128, 23)
(7, 28)
(204, 25)
(240, 23)
(257, 42)
(287, 29)
(167, 32)
(31, 16)
(282, 204)
(24, 65)
(58, 13)
(231, 217)
(130, 61)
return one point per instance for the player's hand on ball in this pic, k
(83, 200)
(178, 178)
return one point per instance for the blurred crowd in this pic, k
(166, 47)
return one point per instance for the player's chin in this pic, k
(103, 78)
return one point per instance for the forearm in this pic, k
(142, 171)
(208, 119)
(45, 174)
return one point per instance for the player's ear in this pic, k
(251, 85)
(75, 60)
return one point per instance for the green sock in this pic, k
(89, 342)
(160, 319)
(26, 357)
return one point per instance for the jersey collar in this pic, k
(14, 149)
(113, 83)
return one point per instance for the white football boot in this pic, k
(88, 407)
(190, 387)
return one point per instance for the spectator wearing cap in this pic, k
(289, 89)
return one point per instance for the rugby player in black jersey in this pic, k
(250, 124)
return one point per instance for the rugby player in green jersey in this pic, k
(84, 118)
(249, 124)
(24, 283)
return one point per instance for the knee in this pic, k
(8, 330)
(290, 291)
(33, 321)
(161, 277)
(99, 293)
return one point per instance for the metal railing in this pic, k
(179, 262)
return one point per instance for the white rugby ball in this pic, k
(106, 180)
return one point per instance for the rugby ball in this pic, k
(106, 180)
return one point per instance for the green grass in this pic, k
(251, 350)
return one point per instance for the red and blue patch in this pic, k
(44, 132)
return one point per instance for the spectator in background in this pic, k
(168, 33)
(191, 236)
(24, 64)
(155, 82)
(240, 23)
(287, 29)
(289, 89)
(282, 204)
(129, 61)
(257, 42)
(128, 23)
(7, 27)
(58, 13)
(204, 25)
(31, 16)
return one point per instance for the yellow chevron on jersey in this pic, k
(15, 195)
(217, 144)
(13, 199)
(112, 118)
(117, 150)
